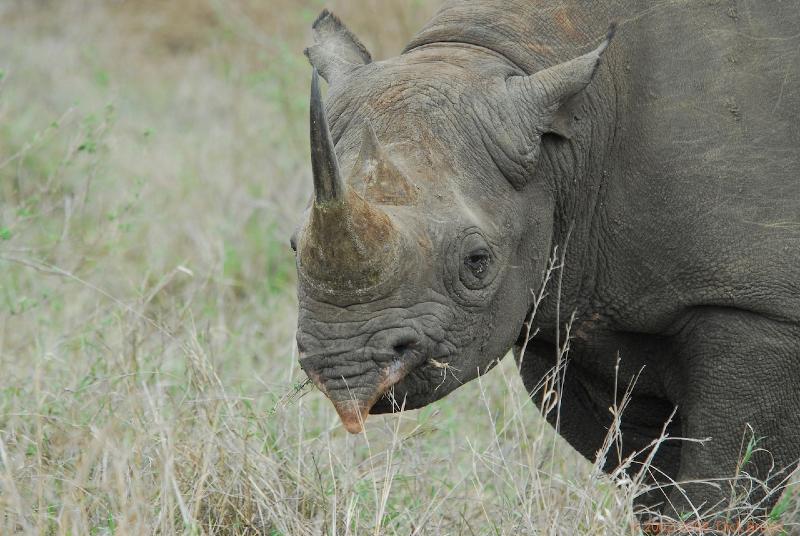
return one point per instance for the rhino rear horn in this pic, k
(383, 181)
(337, 50)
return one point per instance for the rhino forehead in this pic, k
(442, 152)
(409, 96)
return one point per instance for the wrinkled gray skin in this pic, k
(673, 168)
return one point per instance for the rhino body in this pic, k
(665, 167)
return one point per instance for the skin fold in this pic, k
(661, 163)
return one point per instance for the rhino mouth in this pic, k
(417, 389)
(403, 384)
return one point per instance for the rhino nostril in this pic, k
(404, 345)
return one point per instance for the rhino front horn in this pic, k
(328, 185)
(349, 244)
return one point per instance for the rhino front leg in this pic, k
(583, 417)
(740, 387)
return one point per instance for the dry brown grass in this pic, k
(153, 162)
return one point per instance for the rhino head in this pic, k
(429, 226)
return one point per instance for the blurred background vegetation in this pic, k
(153, 163)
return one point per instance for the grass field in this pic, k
(153, 163)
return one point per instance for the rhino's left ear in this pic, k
(336, 50)
(551, 93)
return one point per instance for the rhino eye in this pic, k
(475, 266)
(478, 263)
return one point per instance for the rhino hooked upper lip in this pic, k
(366, 390)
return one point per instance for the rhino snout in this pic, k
(355, 381)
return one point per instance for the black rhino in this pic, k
(664, 163)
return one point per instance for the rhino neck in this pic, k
(532, 34)
(579, 173)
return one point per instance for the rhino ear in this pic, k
(336, 50)
(553, 93)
